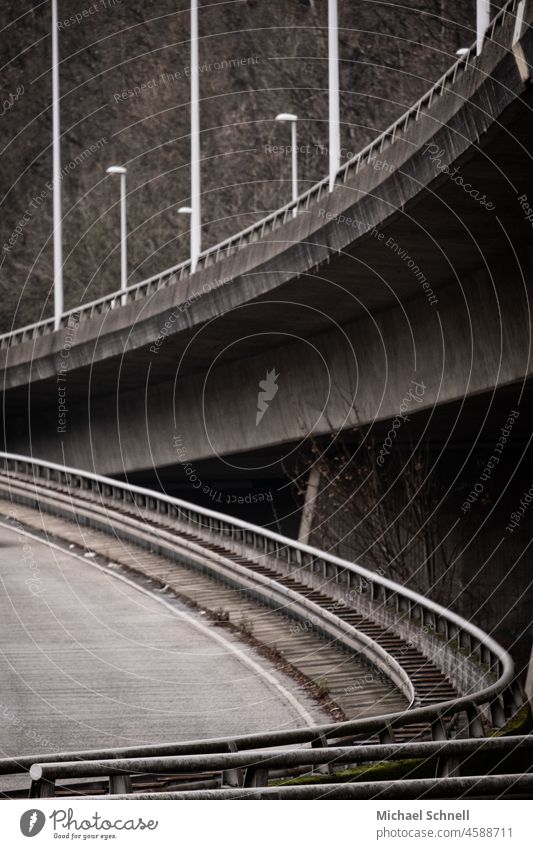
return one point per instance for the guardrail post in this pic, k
(448, 766)
(511, 704)
(320, 742)
(119, 784)
(475, 725)
(42, 789)
(438, 729)
(497, 713)
(233, 777)
(386, 735)
(256, 776)
(518, 693)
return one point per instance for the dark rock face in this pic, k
(125, 100)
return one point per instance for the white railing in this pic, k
(272, 221)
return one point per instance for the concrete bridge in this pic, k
(433, 678)
(404, 291)
(416, 267)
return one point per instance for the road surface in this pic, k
(90, 660)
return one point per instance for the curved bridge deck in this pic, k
(359, 690)
(448, 678)
(90, 660)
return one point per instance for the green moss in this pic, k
(482, 764)
(384, 771)
(520, 723)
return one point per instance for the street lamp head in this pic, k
(286, 116)
(116, 169)
(462, 51)
(185, 210)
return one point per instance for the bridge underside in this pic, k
(456, 441)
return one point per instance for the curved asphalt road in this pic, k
(89, 660)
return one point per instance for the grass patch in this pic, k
(520, 723)
(385, 771)
(477, 764)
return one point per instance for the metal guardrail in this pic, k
(271, 222)
(502, 697)
(248, 769)
(469, 787)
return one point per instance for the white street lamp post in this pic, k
(196, 219)
(185, 210)
(117, 169)
(482, 22)
(56, 178)
(292, 119)
(334, 109)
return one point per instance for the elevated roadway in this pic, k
(457, 682)
(91, 659)
(416, 267)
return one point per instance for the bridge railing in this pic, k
(253, 768)
(500, 698)
(271, 222)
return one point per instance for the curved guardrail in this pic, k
(501, 698)
(469, 787)
(254, 768)
(272, 221)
